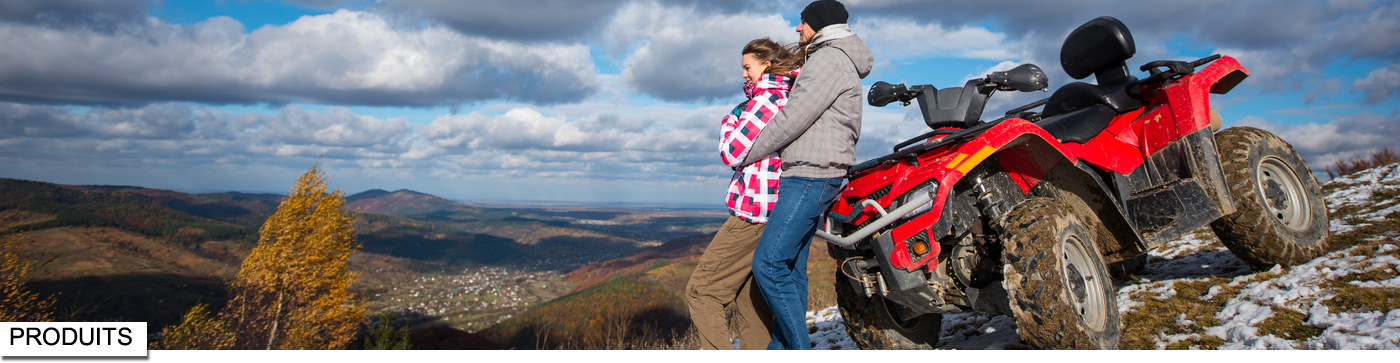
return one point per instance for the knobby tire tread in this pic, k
(1249, 233)
(867, 327)
(1039, 299)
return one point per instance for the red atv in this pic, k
(1024, 215)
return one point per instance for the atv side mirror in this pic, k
(1024, 78)
(882, 93)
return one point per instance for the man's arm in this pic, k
(736, 133)
(812, 93)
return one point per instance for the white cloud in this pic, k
(656, 142)
(526, 131)
(682, 54)
(533, 20)
(520, 128)
(346, 57)
(337, 126)
(173, 131)
(895, 38)
(1381, 84)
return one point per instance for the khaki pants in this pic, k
(724, 277)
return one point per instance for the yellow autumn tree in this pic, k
(16, 302)
(197, 330)
(293, 290)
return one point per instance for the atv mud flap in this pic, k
(1178, 189)
(1169, 212)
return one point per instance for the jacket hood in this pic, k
(840, 37)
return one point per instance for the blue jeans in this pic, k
(780, 261)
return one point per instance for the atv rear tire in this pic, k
(1060, 291)
(1280, 215)
(871, 325)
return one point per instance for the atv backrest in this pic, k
(1076, 112)
(1100, 47)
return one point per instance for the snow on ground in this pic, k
(1359, 191)
(1361, 198)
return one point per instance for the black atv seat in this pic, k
(1078, 111)
(1080, 125)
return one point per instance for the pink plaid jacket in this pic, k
(754, 188)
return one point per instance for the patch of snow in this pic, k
(1301, 289)
(1338, 226)
(830, 330)
(978, 331)
(1360, 191)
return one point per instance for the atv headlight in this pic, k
(928, 187)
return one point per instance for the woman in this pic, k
(815, 136)
(723, 276)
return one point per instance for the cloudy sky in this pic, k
(586, 101)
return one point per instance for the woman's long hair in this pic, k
(783, 59)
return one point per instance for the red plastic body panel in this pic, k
(946, 165)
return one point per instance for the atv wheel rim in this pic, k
(1283, 195)
(1083, 284)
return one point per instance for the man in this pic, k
(815, 136)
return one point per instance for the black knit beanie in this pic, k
(821, 13)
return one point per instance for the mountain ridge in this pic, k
(404, 202)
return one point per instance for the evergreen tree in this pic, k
(385, 336)
(17, 303)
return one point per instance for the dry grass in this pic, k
(1363, 235)
(1187, 312)
(1288, 324)
(1144, 323)
(1352, 298)
(15, 217)
(821, 277)
(619, 334)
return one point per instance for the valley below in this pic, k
(113, 253)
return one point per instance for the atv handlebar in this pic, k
(1025, 78)
(883, 93)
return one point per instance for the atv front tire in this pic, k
(1280, 215)
(871, 325)
(1060, 291)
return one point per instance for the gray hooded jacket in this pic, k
(816, 133)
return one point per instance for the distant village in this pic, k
(477, 297)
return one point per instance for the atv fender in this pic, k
(1039, 170)
(1029, 157)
